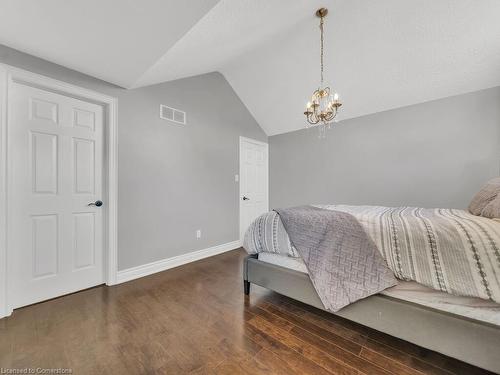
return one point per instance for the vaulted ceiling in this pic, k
(114, 40)
(379, 54)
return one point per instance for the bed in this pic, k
(463, 327)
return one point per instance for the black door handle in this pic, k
(96, 203)
(245, 198)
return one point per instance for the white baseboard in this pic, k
(179, 260)
(5, 312)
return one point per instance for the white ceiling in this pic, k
(114, 40)
(379, 54)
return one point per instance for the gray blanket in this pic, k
(343, 262)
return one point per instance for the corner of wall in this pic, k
(226, 80)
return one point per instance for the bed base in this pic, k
(468, 340)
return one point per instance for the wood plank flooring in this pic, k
(195, 319)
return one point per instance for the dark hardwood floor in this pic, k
(195, 319)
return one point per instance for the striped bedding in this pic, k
(448, 250)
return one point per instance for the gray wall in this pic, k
(435, 154)
(172, 179)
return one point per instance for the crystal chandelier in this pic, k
(322, 109)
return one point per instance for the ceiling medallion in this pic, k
(323, 107)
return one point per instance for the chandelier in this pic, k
(322, 109)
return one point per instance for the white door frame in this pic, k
(267, 173)
(9, 75)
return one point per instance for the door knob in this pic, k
(96, 203)
(246, 199)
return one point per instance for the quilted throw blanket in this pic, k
(445, 249)
(343, 262)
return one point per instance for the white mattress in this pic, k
(473, 308)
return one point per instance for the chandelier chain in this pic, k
(321, 49)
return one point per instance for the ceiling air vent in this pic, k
(172, 114)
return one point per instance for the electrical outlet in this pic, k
(236, 178)
(198, 233)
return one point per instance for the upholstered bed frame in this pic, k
(468, 340)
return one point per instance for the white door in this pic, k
(55, 171)
(254, 199)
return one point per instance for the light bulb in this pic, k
(336, 96)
